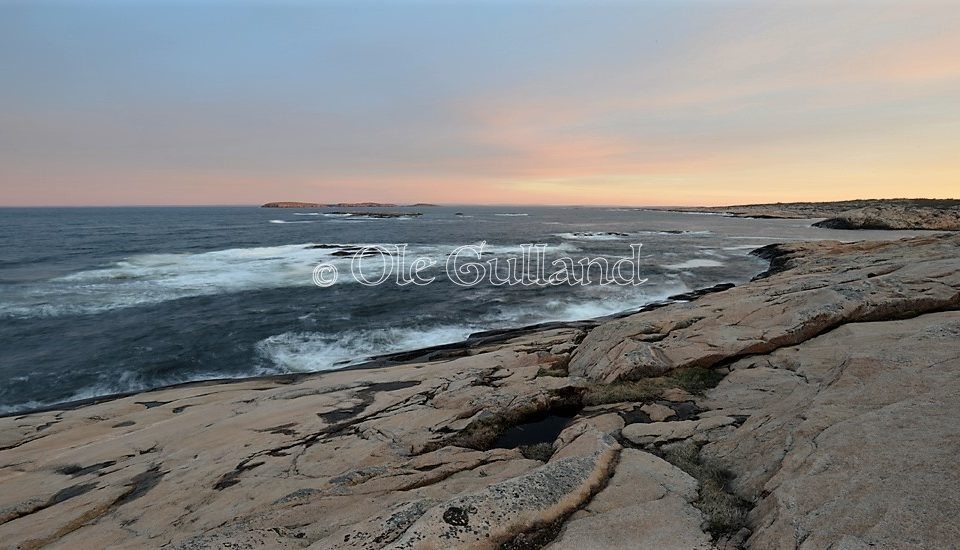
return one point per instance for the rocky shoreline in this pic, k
(811, 408)
(890, 214)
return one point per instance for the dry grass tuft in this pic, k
(696, 380)
(646, 389)
(693, 380)
(725, 512)
(558, 371)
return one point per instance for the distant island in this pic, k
(933, 214)
(295, 204)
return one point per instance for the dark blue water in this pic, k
(96, 301)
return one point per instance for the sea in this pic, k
(101, 301)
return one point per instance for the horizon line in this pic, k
(442, 204)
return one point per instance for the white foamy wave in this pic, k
(155, 278)
(693, 264)
(306, 213)
(314, 351)
(516, 250)
(591, 302)
(694, 213)
(359, 216)
(286, 221)
(593, 236)
(511, 214)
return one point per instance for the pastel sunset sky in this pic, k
(618, 103)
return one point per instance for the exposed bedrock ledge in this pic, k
(818, 286)
(851, 437)
(895, 217)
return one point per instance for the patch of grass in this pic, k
(646, 389)
(725, 512)
(559, 371)
(696, 380)
(693, 380)
(537, 451)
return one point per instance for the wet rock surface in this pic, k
(812, 408)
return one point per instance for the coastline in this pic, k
(419, 355)
(881, 214)
(753, 385)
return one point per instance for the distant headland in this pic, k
(933, 214)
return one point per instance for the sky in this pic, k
(706, 102)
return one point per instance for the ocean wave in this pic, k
(125, 382)
(511, 214)
(287, 221)
(593, 236)
(149, 279)
(673, 232)
(154, 278)
(515, 250)
(695, 213)
(589, 303)
(694, 264)
(317, 351)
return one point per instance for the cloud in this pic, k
(616, 104)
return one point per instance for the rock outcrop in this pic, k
(812, 295)
(932, 214)
(851, 437)
(895, 217)
(812, 408)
